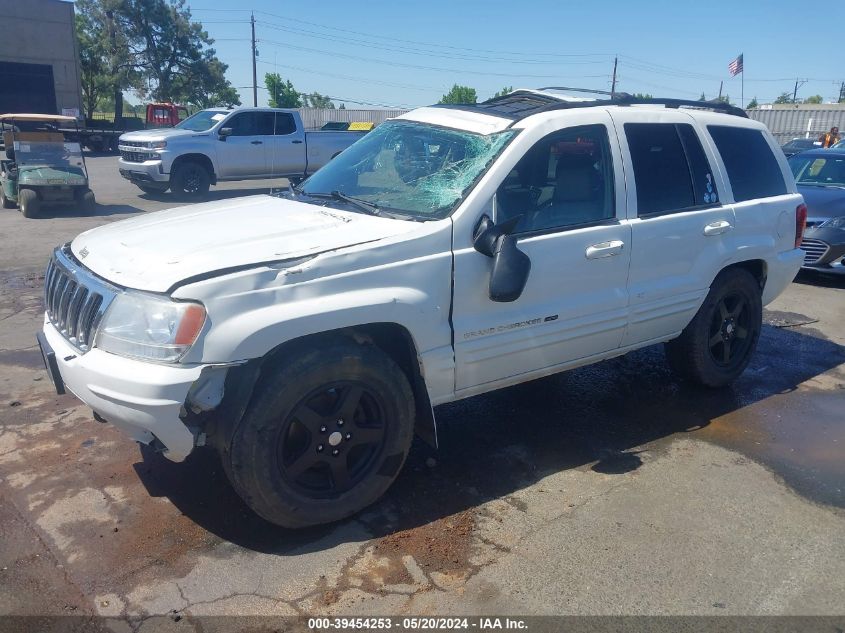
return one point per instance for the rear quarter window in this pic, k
(752, 168)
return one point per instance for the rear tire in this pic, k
(717, 345)
(324, 436)
(88, 201)
(190, 180)
(28, 203)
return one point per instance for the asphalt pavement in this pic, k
(612, 489)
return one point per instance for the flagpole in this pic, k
(742, 82)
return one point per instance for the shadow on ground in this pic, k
(499, 443)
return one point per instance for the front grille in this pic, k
(74, 299)
(814, 250)
(132, 143)
(134, 157)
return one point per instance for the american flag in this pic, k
(735, 67)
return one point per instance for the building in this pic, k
(787, 121)
(39, 57)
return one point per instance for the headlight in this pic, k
(833, 223)
(156, 145)
(149, 327)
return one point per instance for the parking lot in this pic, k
(613, 489)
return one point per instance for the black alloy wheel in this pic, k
(332, 439)
(730, 330)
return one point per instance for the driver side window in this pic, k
(565, 180)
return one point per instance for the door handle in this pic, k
(717, 228)
(604, 249)
(296, 142)
(256, 142)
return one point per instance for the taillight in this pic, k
(800, 223)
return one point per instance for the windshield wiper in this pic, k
(366, 207)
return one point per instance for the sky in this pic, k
(400, 54)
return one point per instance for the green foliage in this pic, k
(154, 48)
(641, 95)
(752, 105)
(316, 100)
(459, 95)
(784, 97)
(815, 99)
(702, 97)
(281, 94)
(504, 91)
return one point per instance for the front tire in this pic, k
(4, 201)
(324, 436)
(717, 345)
(28, 203)
(190, 181)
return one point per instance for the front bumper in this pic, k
(150, 171)
(824, 250)
(144, 400)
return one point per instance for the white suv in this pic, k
(452, 251)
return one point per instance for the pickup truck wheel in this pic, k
(717, 345)
(28, 203)
(190, 180)
(324, 436)
(88, 201)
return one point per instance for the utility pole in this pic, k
(798, 84)
(842, 92)
(254, 72)
(613, 83)
(721, 83)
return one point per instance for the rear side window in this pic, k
(670, 168)
(753, 170)
(284, 124)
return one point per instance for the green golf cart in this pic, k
(41, 166)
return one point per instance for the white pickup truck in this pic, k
(452, 251)
(216, 145)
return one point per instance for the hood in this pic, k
(158, 250)
(157, 134)
(823, 202)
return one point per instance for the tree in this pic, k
(504, 91)
(316, 100)
(281, 93)
(154, 48)
(784, 97)
(641, 95)
(459, 94)
(752, 104)
(815, 99)
(94, 76)
(702, 97)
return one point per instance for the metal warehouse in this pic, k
(799, 120)
(39, 67)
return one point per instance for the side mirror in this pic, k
(224, 133)
(511, 266)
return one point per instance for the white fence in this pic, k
(315, 118)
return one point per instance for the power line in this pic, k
(417, 51)
(453, 71)
(352, 78)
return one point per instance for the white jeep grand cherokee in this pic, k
(452, 251)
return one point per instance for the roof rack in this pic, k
(520, 104)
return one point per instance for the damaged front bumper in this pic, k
(144, 400)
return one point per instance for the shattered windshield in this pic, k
(412, 168)
(54, 154)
